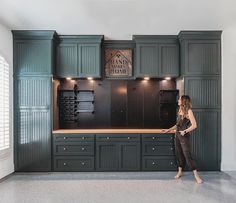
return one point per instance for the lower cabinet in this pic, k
(114, 152)
(118, 152)
(73, 152)
(158, 152)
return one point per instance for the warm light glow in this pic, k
(68, 78)
(146, 78)
(89, 78)
(167, 78)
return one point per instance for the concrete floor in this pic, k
(112, 187)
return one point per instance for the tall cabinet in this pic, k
(200, 53)
(33, 71)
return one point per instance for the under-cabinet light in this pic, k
(68, 78)
(167, 78)
(146, 78)
(89, 78)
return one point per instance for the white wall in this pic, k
(229, 99)
(6, 50)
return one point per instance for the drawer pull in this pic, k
(153, 149)
(64, 149)
(128, 138)
(64, 138)
(171, 163)
(171, 148)
(153, 138)
(83, 148)
(108, 138)
(83, 163)
(64, 164)
(82, 138)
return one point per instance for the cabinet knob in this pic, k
(82, 138)
(171, 163)
(64, 138)
(171, 148)
(108, 138)
(83, 163)
(153, 138)
(64, 164)
(83, 148)
(128, 138)
(64, 149)
(153, 163)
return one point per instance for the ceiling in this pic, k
(117, 19)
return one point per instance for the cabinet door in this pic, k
(168, 60)
(206, 139)
(201, 57)
(129, 156)
(106, 156)
(32, 131)
(67, 62)
(32, 57)
(147, 63)
(89, 60)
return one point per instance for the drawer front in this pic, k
(167, 137)
(118, 137)
(75, 148)
(157, 149)
(73, 137)
(159, 164)
(69, 163)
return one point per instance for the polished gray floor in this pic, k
(112, 187)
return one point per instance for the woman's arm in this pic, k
(168, 130)
(193, 123)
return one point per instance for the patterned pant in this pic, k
(183, 151)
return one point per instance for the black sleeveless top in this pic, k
(182, 123)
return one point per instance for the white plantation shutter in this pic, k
(4, 105)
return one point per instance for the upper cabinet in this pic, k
(33, 52)
(157, 56)
(79, 56)
(200, 52)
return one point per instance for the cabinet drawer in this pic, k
(73, 163)
(157, 149)
(117, 137)
(167, 137)
(73, 137)
(154, 163)
(75, 148)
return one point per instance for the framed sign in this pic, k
(118, 63)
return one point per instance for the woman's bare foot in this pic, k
(198, 179)
(178, 175)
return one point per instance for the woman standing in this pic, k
(185, 123)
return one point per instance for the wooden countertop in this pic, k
(111, 131)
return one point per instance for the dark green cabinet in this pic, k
(79, 56)
(157, 56)
(201, 71)
(158, 152)
(118, 152)
(200, 52)
(33, 68)
(205, 140)
(73, 152)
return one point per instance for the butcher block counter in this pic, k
(111, 131)
(113, 150)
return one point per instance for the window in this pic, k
(4, 105)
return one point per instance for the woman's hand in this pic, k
(182, 133)
(165, 130)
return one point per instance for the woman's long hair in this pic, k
(185, 105)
